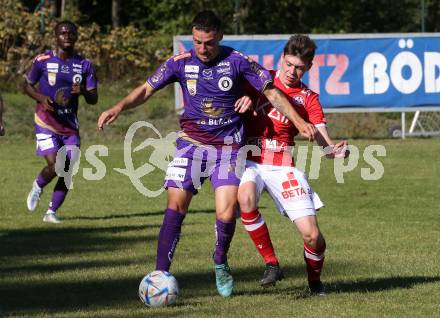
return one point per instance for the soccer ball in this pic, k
(158, 289)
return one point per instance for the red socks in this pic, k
(314, 260)
(256, 227)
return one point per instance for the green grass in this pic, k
(382, 236)
(19, 115)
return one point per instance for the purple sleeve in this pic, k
(165, 74)
(255, 74)
(34, 74)
(91, 80)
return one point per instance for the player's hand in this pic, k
(76, 89)
(340, 150)
(108, 117)
(47, 103)
(243, 104)
(308, 131)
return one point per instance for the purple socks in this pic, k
(58, 195)
(40, 181)
(169, 236)
(224, 233)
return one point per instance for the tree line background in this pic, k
(130, 38)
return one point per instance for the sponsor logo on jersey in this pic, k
(52, 78)
(276, 115)
(52, 67)
(191, 68)
(257, 69)
(159, 74)
(77, 78)
(225, 83)
(224, 63)
(191, 75)
(62, 96)
(191, 85)
(65, 69)
(207, 74)
(77, 65)
(215, 121)
(298, 100)
(209, 110)
(224, 70)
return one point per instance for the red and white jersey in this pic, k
(271, 131)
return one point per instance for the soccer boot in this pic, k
(317, 288)
(51, 218)
(271, 275)
(34, 197)
(224, 280)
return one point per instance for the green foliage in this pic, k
(126, 50)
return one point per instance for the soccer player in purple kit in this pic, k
(211, 78)
(55, 81)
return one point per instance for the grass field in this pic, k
(382, 259)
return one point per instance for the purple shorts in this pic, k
(50, 142)
(193, 164)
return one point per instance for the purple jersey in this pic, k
(55, 78)
(210, 91)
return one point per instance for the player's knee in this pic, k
(226, 215)
(177, 206)
(312, 238)
(246, 201)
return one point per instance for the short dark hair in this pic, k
(207, 21)
(302, 46)
(65, 22)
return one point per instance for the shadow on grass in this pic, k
(56, 296)
(66, 240)
(380, 284)
(132, 215)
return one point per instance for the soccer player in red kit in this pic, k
(273, 169)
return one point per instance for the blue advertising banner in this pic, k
(362, 71)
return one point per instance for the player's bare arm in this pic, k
(91, 96)
(137, 97)
(280, 102)
(32, 92)
(332, 150)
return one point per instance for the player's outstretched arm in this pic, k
(281, 103)
(137, 97)
(331, 149)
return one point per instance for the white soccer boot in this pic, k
(51, 217)
(34, 197)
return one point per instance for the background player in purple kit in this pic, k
(55, 81)
(211, 78)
